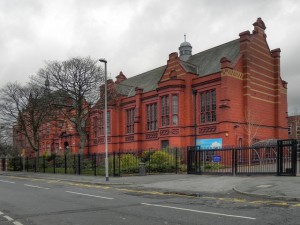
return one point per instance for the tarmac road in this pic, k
(41, 200)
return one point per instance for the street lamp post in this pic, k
(105, 118)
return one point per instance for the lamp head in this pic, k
(103, 60)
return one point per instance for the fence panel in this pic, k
(210, 161)
(256, 160)
(240, 161)
(170, 160)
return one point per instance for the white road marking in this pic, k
(17, 223)
(192, 210)
(8, 218)
(96, 196)
(28, 185)
(5, 181)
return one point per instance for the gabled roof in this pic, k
(202, 63)
(208, 62)
(147, 81)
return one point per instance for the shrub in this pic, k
(146, 155)
(162, 162)
(214, 166)
(129, 163)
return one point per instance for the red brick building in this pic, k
(228, 95)
(232, 93)
(294, 127)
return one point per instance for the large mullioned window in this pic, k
(165, 110)
(208, 106)
(152, 117)
(102, 122)
(169, 113)
(174, 109)
(130, 121)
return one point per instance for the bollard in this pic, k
(142, 169)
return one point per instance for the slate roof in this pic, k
(208, 61)
(147, 81)
(202, 63)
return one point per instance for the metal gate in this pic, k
(280, 159)
(210, 161)
(287, 158)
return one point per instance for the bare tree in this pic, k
(75, 83)
(25, 108)
(251, 126)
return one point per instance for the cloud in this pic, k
(136, 36)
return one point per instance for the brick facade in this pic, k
(294, 127)
(245, 100)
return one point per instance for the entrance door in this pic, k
(164, 144)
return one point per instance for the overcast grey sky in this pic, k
(138, 35)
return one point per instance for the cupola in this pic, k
(185, 50)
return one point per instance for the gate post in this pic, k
(188, 159)
(234, 161)
(294, 157)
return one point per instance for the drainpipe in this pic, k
(195, 115)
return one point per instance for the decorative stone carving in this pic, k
(208, 129)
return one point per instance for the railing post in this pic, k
(279, 158)
(79, 168)
(65, 157)
(119, 166)
(187, 160)
(95, 163)
(27, 164)
(114, 164)
(44, 164)
(74, 163)
(149, 162)
(294, 157)
(233, 163)
(176, 160)
(54, 163)
(14, 164)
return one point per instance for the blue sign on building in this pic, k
(213, 143)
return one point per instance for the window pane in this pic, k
(175, 104)
(202, 117)
(152, 116)
(213, 99)
(208, 101)
(208, 119)
(203, 102)
(213, 116)
(175, 120)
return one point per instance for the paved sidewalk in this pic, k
(276, 187)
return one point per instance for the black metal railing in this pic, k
(150, 161)
(280, 159)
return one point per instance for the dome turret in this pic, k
(185, 50)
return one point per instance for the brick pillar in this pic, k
(137, 118)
